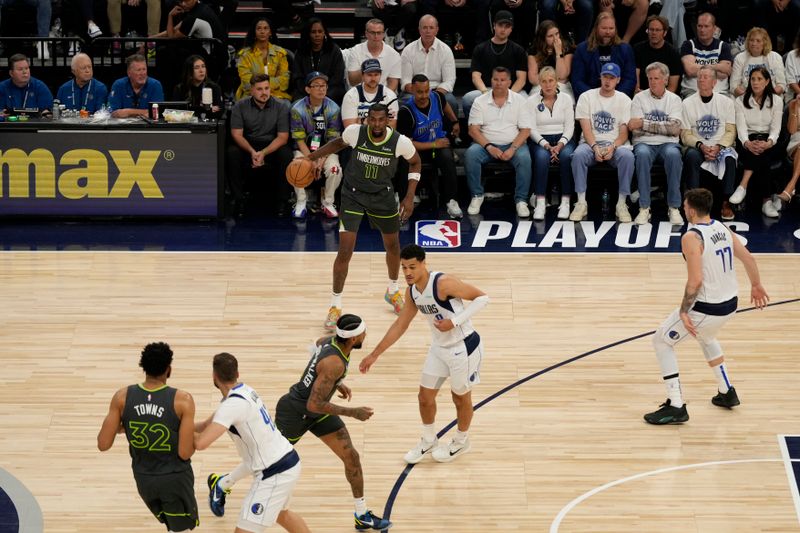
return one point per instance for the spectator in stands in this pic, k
(86, 7)
(549, 49)
(705, 50)
(463, 22)
(793, 151)
(23, 91)
(375, 48)
(114, 11)
(779, 17)
(431, 57)
(260, 131)
(44, 10)
(759, 112)
(603, 114)
(398, 17)
(190, 18)
(524, 16)
(498, 51)
(260, 56)
(709, 131)
(315, 120)
(655, 125)
(316, 52)
(131, 95)
(629, 15)
(552, 141)
(757, 53)
(577, 14)
(83, 92)
(499, 124)
(424, 118)
(603, 46)
(793, 70)
(357, 101)
(194, 79)
(656, 49)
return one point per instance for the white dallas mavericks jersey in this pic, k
(434, 309)
(257, 440)
(719, 276)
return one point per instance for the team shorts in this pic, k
(266, 499)
(170, 497)
(460, 362)
(294, 423)
(673, 331)
(380, 207)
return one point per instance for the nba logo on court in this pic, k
(438, 233)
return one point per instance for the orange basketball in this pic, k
(300, 173)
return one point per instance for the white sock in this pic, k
(428, 432)
(361, 506)
(673, 384)
(336, 300)
(540, 201)
(723, 384)
(460, 437)
(622, 199)
(582, 197)
(393, 288)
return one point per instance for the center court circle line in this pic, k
(398, 484)
(586, 495)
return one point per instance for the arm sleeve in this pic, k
(350, 135)
(405, 148)
(476, 305)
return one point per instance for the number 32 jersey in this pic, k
(719, 276)
(258, 442)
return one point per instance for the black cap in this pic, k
(504, 16)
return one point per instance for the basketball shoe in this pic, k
(445, 454)
(419, 451)
(395, 300)
(333, 317)
(369, 521)
(666, 414)
(216, 495)
(729, 399)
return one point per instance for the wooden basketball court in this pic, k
(74, 324)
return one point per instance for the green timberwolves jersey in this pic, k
(151, 426)
(372, 166)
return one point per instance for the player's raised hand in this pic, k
(362, 413)
(367, 363)
(759, 296)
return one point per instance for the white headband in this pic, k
(350, 333)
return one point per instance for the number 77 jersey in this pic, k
(250, 427)
(719, 275)
(151, 426)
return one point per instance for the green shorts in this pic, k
(170, 497)
(380, 207)
(293, 423)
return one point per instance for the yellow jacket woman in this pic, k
(259, 56)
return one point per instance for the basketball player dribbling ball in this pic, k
(455, 352)
(367, 190)
(267, 457)
(158, 422)
(709, 301)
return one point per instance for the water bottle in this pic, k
(56, 110)
(605, 202)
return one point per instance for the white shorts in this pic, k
(673, 331)
(266, 499)
(460, 362)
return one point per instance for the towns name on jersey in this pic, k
(149, 409)
(586, 235)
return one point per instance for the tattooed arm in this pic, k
(692, 248)
(329, 370)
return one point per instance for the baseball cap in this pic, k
(504, 16)
(314, 75)
(610, 69)
(371, 65)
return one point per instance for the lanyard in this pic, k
(85, 98)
